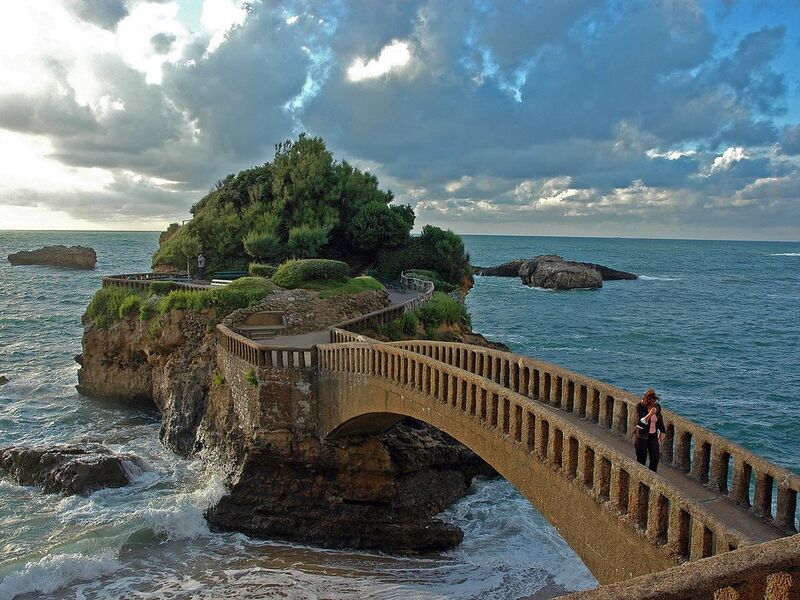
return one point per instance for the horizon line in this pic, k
(597, 237)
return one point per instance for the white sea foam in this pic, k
(655, 278)
(53, 572)
(786, 254)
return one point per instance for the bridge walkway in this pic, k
(736, 516)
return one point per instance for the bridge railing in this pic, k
(375, 319)
(617, 482)
(277, 357)
(141, 281)
(704, 455)
(769, 571)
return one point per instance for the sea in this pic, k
(713, 326)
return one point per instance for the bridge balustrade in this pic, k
(615, 481)
(276, 357)
(701, 454)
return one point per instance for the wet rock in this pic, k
(553, 272)
(75, 257)
(69, 469)
(3, 380)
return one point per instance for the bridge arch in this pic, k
(621, 519)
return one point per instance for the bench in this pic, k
(222, 278)
(263, 324)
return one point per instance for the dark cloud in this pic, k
(105, 13)
(790, 140)
(162, 42)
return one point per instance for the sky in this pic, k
(648, 118)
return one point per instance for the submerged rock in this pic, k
(3, 380)
(75, 257)
(553, 272)
(69, 469)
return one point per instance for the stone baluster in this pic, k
(620, 487)
(701, 459)
(787, 508)
(658, 519)
(679, 534)
(683, 445)
(740, 491)
(762, 497)
(702, 540)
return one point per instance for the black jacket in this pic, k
(644, 430)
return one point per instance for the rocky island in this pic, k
(179, 350)
(551, 271)
(73, 257)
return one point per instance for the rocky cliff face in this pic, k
(380, 492)
(75, 257)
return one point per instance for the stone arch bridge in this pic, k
(717, 521)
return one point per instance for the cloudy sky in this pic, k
(673, 118)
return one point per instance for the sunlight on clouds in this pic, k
(219, 17)
(25, 165)
(135, 34)
(392, 56)
(730, 157)
(35, 217)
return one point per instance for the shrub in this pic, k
(130, 304)
(240, 293)
(147, 311)
(263, 245)
(436, 249)
(261, 270)
(350, 286)
(251, 378)
(409, 323)
(377, 225)
(441, 309)
(440, 285)
(294, 273)
(106, 305)
(159, 288)
(306, 242)
(218, 379)
(183, 300)
(391, 330)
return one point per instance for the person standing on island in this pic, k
(201, 266)
(650, 429)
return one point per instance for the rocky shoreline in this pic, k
(377, 492)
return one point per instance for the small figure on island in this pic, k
(650, 429)
(201, 266)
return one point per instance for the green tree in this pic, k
(306, 242)
(377, 225)
(263, 246)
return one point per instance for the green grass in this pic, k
(111, 304)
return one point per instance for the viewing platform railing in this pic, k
(141, 281)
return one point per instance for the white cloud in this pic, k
(135, 34)
(730, 157)
(392, 56)
(25, 165)
(219, 17)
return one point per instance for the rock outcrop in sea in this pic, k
(3, 380)
(378, 491)
(74, 257)
(69, 469)
(551, 271)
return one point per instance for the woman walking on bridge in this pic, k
(649, 429)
